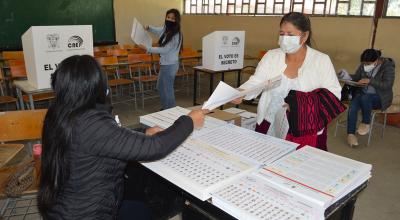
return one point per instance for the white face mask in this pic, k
(289, 44)
(369, 68)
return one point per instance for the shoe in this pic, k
(363, 129)
(352, 140)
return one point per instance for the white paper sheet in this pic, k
(280, 127)
(139, 34)
(260, 148)
(251, 197)
(326, 174)
(224, 93)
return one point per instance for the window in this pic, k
(393, 8)
(279, 7)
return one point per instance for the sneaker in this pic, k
(363, 129)
(352, 140)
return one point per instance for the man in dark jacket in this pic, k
(375, 76)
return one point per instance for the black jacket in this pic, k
(382, 82)
(98, 157)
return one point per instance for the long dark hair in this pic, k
(300, 21)
(170, 32)
(78, 84)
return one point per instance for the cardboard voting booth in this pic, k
(223, 50)
(46, 46)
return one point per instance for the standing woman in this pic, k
(169, 45)
(309, 86)
(85, 152)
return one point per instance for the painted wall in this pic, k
(148, 12)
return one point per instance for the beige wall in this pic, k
(148, 12)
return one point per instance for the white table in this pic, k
(25, 87)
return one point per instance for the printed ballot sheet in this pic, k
(224, 93)
(250, 197)
(280, 127)
(319, 176)
(167, 117)
(139, 34)
(260, 148)
(199, 168)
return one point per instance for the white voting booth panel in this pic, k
(223, 50)
(46, 46)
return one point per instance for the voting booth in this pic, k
(46, 46)
(223, 50)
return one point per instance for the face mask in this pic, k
(289, 44)
(169, 24)
(369, 68)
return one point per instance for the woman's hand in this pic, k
(286, 106)
(141, 46)
(238, 100)
(153, 130)
(198, 117)
(364, 81)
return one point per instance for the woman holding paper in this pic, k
(169, 45)
(307, 82)
(85, 152)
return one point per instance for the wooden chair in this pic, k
(16, 62)
(136, 50)
(19, 126)
(111, 67)
(140, 67)
(13, 55)
(5, 99)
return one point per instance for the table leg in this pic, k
(211, 83)
(21, 101)
(238, 78)
(31, 102)
(223, 77)
(238, 81)
(194, 87)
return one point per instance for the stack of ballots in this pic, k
(256, 176)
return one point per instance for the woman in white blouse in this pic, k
(301, 68)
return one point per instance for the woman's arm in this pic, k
(101, 136)
(156, 30)
(173, 44)
(329, 77)
(259, 76)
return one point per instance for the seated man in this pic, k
(375, 76)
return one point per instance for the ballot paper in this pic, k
(250, 197)
(199, 168)
(344, 75)
(250, 145)
(139, 34)
(316, 175)
(280, 127)
(167, 117)
(224, 93)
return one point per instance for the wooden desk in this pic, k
(24, 86)
(211, 73)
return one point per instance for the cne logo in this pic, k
(235, 41)
(53, 41)
(75, 42)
